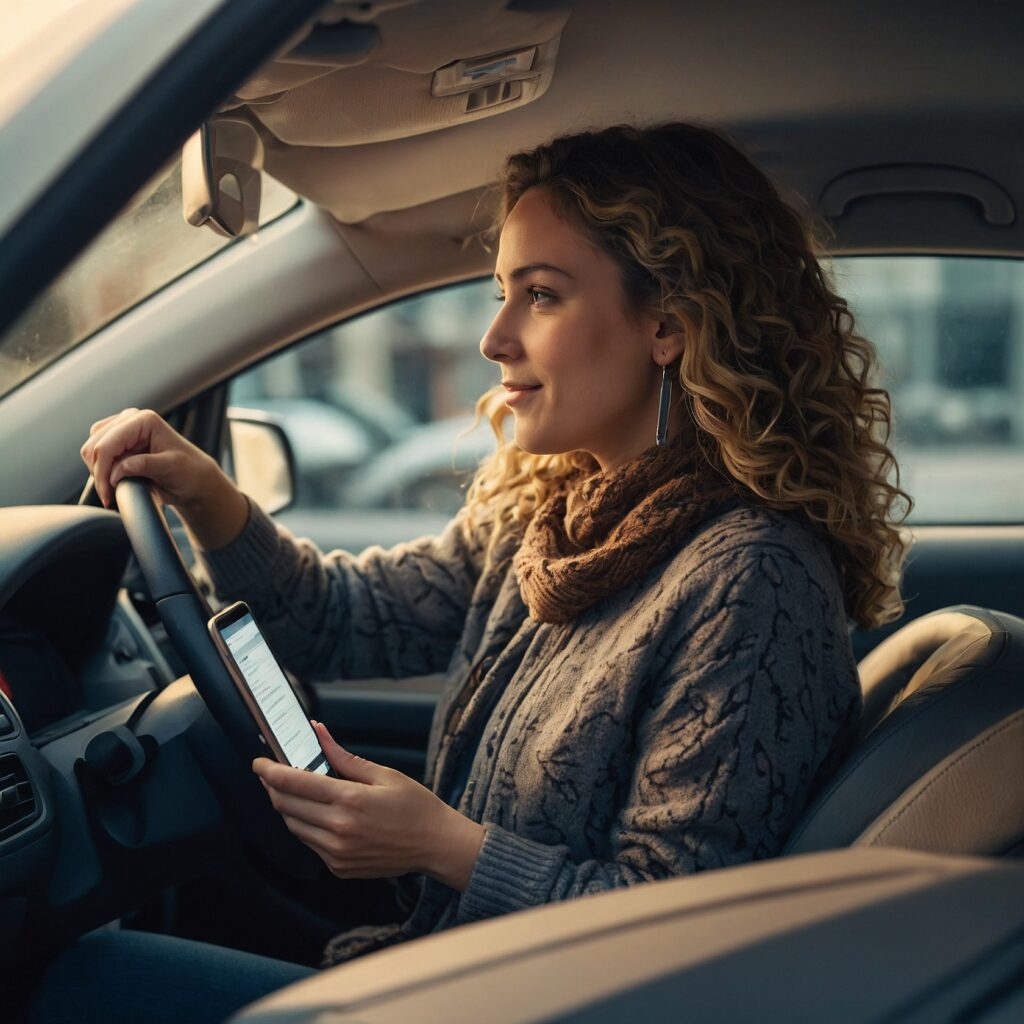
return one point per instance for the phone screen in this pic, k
(274, 694)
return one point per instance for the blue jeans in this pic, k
(130, 977)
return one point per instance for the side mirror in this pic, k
(261, 458)
(220, 177)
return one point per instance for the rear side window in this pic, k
(950, 337)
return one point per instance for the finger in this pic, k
(348, 765)
(100, 424)
(129, 436)
(153, 467)
(313, 812)
(341, 860)
(297, 782)
(326, 844)
(102, 453)
(88, 449)
(100, 429)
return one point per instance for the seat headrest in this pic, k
(904, 662)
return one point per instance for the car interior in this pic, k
(378, 129)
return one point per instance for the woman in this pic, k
(643, 608)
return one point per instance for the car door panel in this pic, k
(386, 720)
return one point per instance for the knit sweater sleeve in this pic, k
(726, 747)
(386, 612)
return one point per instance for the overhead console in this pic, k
(483, 57)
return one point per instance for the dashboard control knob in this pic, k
(109, 757)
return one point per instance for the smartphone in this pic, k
(266, 691)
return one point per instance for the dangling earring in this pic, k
(666, 394)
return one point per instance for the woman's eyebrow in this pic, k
(530, 268)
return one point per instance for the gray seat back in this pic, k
(939, 762)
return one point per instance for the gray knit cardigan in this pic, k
(677, 725)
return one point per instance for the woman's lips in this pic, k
(518, 393)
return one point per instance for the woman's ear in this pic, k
(667, 326)
(668, 340)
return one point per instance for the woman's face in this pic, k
(580, 369)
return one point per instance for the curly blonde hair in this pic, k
(775, 379)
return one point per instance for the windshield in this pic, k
(145, 248)
(37, 37)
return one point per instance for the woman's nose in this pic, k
(499, 343)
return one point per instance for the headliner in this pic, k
(811, 91)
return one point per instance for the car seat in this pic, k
(938, 764)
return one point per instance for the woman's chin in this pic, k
(533, 444)
(526, 440)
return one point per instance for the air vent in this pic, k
(492, 95)
(18, 807)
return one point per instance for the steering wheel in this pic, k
(185, 613)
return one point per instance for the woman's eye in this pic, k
(535, 295)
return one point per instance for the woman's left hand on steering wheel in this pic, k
(373, 822)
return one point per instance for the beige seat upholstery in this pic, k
(939, 762)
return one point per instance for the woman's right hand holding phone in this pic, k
(138, 442)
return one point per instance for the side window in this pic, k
(950, 337)
(378, 411)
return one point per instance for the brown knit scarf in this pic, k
(602, 533)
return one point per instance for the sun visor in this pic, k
(371, 73)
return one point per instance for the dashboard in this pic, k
(113, 776)
(71, 641)
(32, 675)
